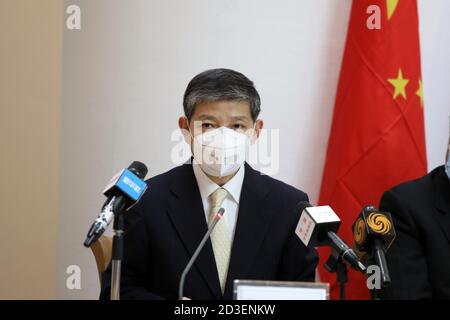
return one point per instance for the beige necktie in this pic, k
(219, 237)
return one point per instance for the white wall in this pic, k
(435, 50)
(30, 100)
(126, 70)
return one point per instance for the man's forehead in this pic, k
(214, 110)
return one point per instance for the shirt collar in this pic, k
(207, 186)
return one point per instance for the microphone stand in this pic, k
(188, 267)
(336, 264)
(342, 254)
(378, 257)
(117, 253)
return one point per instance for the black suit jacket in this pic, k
(419, 259)
(165, 227)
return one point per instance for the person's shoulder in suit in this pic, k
(412, 256)
(158, 186)
(278, 194)
(284, 194)
(413, 194)
(416, 185)
(283, 189)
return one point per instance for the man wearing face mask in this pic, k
(419, 258)
(255, 239)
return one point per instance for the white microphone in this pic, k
(318, 226)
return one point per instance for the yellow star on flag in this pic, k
(419, 93)
(391, 6)
(399, 85)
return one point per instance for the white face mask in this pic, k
(220, 152)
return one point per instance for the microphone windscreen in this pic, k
(139, 169)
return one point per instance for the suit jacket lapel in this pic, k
(188, 217)
(251, 227)
(442, 200)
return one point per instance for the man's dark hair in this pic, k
(220, 84)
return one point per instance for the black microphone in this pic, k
(123, 191)
(211, 227)
(373, 233)
(318, 226)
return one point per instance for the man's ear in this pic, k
(259, 124)
(183, 124)
(447, 154)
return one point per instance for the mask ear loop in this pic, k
(195, 160)
(190, 132)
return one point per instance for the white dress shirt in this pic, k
(231, 202)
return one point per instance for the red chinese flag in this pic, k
(377, 137)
